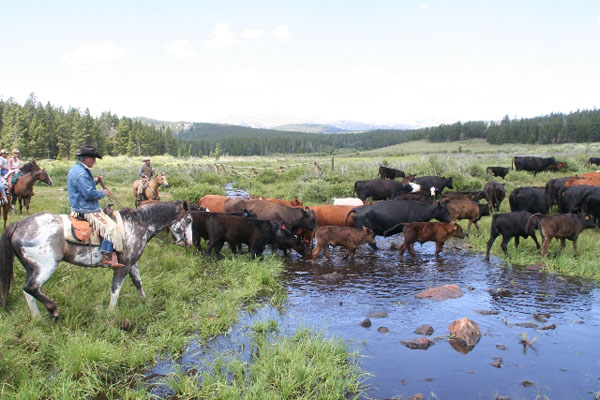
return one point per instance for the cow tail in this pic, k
(514, 164)
(348, 216)
(7, 258)
(533, 221)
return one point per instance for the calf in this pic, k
(438, 182)
(471, 195)
(497, 171)
(214, 202)
(494, 194)
(562, 226)
(390, 173)
(422, 232)
(553, 187)
(465, 209)
(594, 160)
(510, 225)
(350, 238)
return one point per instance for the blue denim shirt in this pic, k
(83, 195)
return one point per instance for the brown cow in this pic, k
(327, 215)
(465, 209)
(422, 232)
(290, 203)
(557, 167)
(561, 226)
(213, 202)
(471, 195)
(294, 218)
(347, 237)
(494, 193)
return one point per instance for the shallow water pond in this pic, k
(561, 363)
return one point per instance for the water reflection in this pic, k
(338, 295)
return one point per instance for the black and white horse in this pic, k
(39, 243)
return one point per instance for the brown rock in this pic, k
(416, 396)
(487, 312)
(536, 267)
(383, 329)
(424, 329)
(542, 317)
(465, 330)
(378, 314)
(497, 362)
(460, 346)
(548, 327)
(526, 325)
(439, 293)
(365, 323)
(418, 343)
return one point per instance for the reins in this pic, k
(110, 194)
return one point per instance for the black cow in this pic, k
(383, 216)
(256, 233)
(380, 189)
(294, 218)
(594, 160)
(494, 194)
(497, 171)
(199, 229)
(553, 187)
(531, 199)
(573, 199)
(535, 164)
(390, 173)
(438, 182)
(593, 206)
(510, 225)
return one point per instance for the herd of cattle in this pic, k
(404, 206)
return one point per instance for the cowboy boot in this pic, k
(111, 260)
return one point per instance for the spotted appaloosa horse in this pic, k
(39, 243)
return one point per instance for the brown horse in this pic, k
(6, 207)
(23, 189)
(151, 191)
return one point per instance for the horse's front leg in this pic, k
(136, 278)
(117, 284)
(27, 200)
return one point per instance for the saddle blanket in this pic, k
(95, 239)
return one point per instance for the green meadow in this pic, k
(95, 354)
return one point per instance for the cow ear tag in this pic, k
(455, 227)
(283, 226)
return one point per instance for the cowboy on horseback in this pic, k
(83, 198)
(146, 172)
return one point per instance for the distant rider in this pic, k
(146, 172)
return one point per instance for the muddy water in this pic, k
(562, 363)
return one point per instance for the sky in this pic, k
(380, 62)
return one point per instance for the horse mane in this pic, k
(30, 167)
(161, 213)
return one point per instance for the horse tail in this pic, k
(7, 258)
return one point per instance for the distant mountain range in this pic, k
(340, 126)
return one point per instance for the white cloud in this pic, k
(181, 49)
(424, 6)
(253, 33)
(281, 33)
(98, 56)
(222, 37)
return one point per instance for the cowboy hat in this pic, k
(146, 159)
(89, 151)
(3, 151)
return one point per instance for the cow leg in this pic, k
(411, 248)
(505, 240)
(537, 245)
(326, 252)
(438, 248)
(562, 246)
(545, 245)
(574, 246)
(316, 251)
(469, 227)
(136, 278)
(517, 241)
(402, 249)
(351, 252)
(490, 243)
(118, 277)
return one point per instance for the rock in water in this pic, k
(465, 330)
